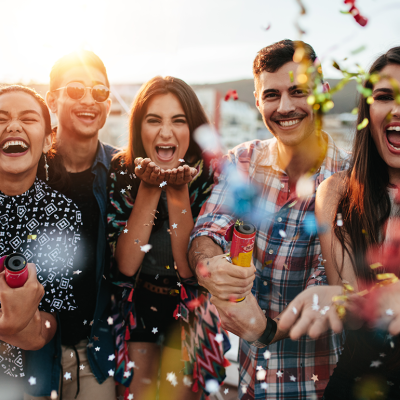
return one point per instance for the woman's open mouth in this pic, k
(165, 153)
(393, 138)
(16, 147)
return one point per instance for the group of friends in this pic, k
(130, 288)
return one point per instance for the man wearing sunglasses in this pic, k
(78, 360)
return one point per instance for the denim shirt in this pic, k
(45, 364)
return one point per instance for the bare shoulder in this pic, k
(329, 193)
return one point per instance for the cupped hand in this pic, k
(223, 279)
(19, 305)
(312, 312)
(148, 172)
(180, 176)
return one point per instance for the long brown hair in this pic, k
(194, 112)
(365, 204)
(58, 176)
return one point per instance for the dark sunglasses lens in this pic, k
(75, 90)
(100, 93)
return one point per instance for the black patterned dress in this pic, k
(43, 225)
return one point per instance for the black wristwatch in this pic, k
(266, 338)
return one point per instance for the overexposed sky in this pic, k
(198, 41)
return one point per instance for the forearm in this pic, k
(203, 247)
(180, 224)
(137, 230)
(39, 331)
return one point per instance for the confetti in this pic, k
(226, 391)
(339, 220)
(279, 374)
(244, 388)
(294, 309)
(219, 338)
(231, 93)
(315, 378)
(81, 367)
(131, 364)
(324, 310)
(77, 272)
(363, 124)
(389, 311)
(127, 374)
(153, 309)
(32, 380)
(111, 357)
(292, 378)
(212, 386)
(138, 167)
(71, 354)
(126, 230)
(130, 396)
(97, 348)
(110, 321)
(181, 160)
(146, 248)
(111, 372)
(123, 191)
(47, 324)
(264, 385)
(163, 183)
(267, 354)
(261, 374)
(154, 330)
(67, 375)
(315, 306)
(174, 226)
(375, 364)
(187, 381)
(282, 233)
(171, 377)
(184, 211)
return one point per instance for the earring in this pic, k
(46, 167)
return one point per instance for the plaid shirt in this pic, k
(285, 267)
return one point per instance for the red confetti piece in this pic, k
(355, 12)
(176, 312)
(231, 93)
(183, 293)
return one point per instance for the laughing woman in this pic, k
(365, 195)
(36, 221)
(154, 198)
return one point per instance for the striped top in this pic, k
(287, 257)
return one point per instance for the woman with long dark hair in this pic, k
(359, 207)
(36, 221)
(157, 187)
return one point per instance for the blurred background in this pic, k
(211, 44)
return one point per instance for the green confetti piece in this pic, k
(336, 65)
(370, 100)
(398, 99)
(363, 124)
(291, 76)
(359, 49)
(354, 111)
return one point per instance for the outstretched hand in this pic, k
(180, 176)
(312, 312)
(148, 172)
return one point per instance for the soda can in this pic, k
(243, 238)
(16, 270)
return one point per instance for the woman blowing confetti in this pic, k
(359, 208)
(154, 197)
(35, 221)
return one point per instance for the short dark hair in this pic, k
(194, 112)
(82, 58)
(274, 56)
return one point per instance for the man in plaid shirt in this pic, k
(287, 250)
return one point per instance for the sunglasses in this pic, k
(77, 90)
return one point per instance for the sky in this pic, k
(198, 41)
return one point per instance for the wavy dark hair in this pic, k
(58, 176)
(365, 204)
(194, 112)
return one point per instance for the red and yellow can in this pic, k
(243, 239)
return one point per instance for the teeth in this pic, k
(14, 143)
(86, 114)
(165, 147)
(396, 148)
(289, 122)
(393, 128)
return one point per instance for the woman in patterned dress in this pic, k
(157, 187)
(38, 222)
